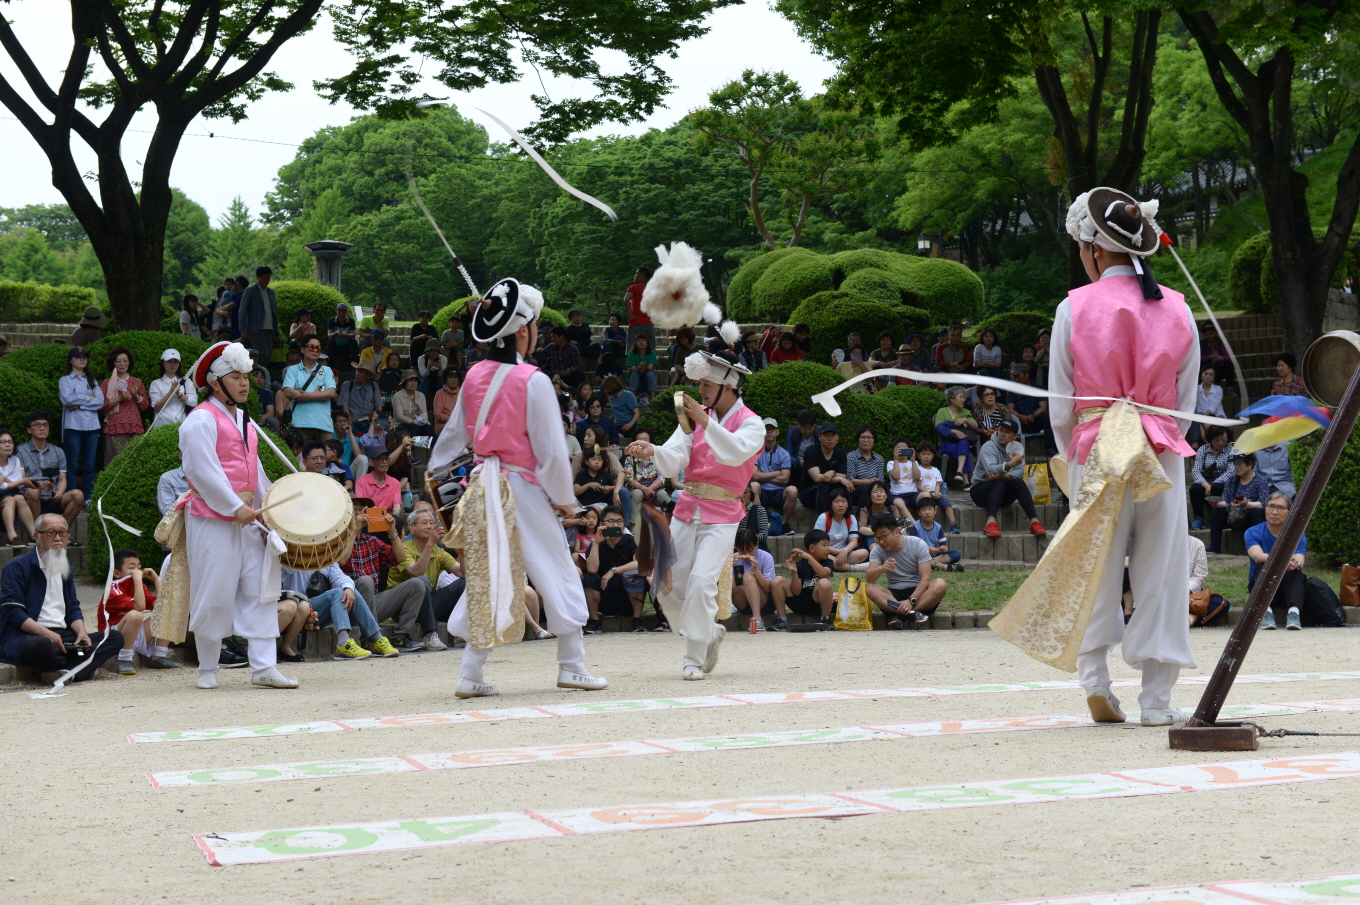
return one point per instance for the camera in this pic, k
(77, 651)
(905, 452)
(613, 532)
(52, 473)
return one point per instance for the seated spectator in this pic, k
(1272, 463)
(824, 467)
(1001, 461)
(125, 398)
(596, 417)
(362, 396)
(594, 486)
(399, 445)
(170, 487)
(613, 340)
(863, 466)
(802, 338)
(756, 520)
(391, 374)
(579, 400)
(1041, 343)
(797, 441)
(954, 357)
(912, 357)
(807, 591)
(623, 404)
(579, 335)
(560, 358)
(935, 538)
(1260, 540)
(13, 483)
(425, 558)
(475, 354)
(409, 408)
(1217, 606)
(987, 354)
(352, 451)
(596, 437)
(126, 608)
(581, 531)
(877, 500)
(607, 367)
(302, 326)
(641, 365)
(1243, 503)
(41, 624)
(446, 398)
(408, 602)
(431, 367)
(1208, 401)
(840, 525)
(752, 357)
(451, 341)
(423, 336)
(612, 583)
(337, 469)
(1212, 353)
(785, 350)
(266, 412)
(4, 346)
(885, 356)
(852, 339)
(377, 348)
(957, 430)
(1213, 463)
(45, 463)
(852, 365)
(1030, 411)
(930, 485)
(989, 413)
(773, 469)
(342, 607)
(378, 486)
(340, 341)
(684, 346)
(642, 480)
(573, 445)
(753, 578)
(294, 614)
(911, 595)
(294, 441)
(1289, 384)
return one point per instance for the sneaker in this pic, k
(1292, 623)
(1268, 623)
(466, 688)
(207, 680)
(1104, 706)
(992, 529)
(1197, 525)
(583, 680)
(894, 624)
(828, 624)
(1168, 717)
(163, 663)
(1037, 529)
(922, 620)
(692, 674)
(760, 626)
(779, 624)
(351, 650)
(637, 627)
(125, 668)
(230, 659)
(711, 658)
(433, 642)
(593, 627)
(383, 648)
(788, 531)
(954, 528)
(405, 643)
(272, 678)
(954, 567)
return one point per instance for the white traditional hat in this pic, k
(1117, 222)
(220, 360)
(715, 369)
(507, 306)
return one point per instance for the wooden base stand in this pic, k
(1216, 737)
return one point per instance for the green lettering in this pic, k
(239, 774)
(951, 795)
(282, 842)
(446, 830)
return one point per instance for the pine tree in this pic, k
(34, 261)
(232, 249)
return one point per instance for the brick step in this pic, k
(1232, 541)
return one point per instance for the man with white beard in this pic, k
(41, 624)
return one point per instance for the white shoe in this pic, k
(1167, 717)
(207, 680)
(711, 659)
(760, 625)
(467, 688)
(432, 642)
(1104, 705)
(272, 678)
(692, 674)
(583, 680)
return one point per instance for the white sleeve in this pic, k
(157, 390)
(673, 456)
(1187, 376)
(1060, 411)
(548, 439)
(337, 578)
(198, 446)
(732, 448)
(453, 439)
(1199, 564)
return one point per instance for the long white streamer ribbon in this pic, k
(552, 174)
(1227, 347)
(827, 400)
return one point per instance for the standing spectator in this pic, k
(987, 354)
(785, 350)
(409, 603)
(579, 335)
(638, 321)
(82, 401)
(13, 483)
(1260, 540)
(86, 332)
(1272, 463)
(1212, 465)
(612, 584)
(807, 591)
(446, 398)
(362, 396)
(642, 480)
(623, 405)
(864, 466)
(422, 333)
(954, 357)
(309, 388)
(1243, 503)
(188, 316)
(41, 624)
(408, 407)
(302, 326)
(989, 413)
(824, 467)
(751, 357)
(258, 314)
(930, 483)
(340, 343)
(957, 428)
(561, 359)
(911, 595)
(46, 465)
(595, 417)
(125, 399)
(753, 577)
(4, 346)
(1001, 461)
(172, 394)
(774, 469)
(641, 365)
(935, 538)
(451, 340)
(372, 323)
(1289, 384)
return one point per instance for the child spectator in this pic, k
(911, 595)
(843, 530)
(756, 520)
(594, 486)
(904, 474)
(642, 480)
(581, 532)
(930, 485)
(808, 591)
(753, 578)
(126, 609)
(933, 533)
(336, 468)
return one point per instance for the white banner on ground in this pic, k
(1326, 888)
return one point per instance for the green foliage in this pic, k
(1036, 284)
(34, 261)
(788, 282)
(659, 415)
(187, 234)
(55, 221)
(856, 259)
(22, 392)
(29, 303)
(146, 347)
(740, 292)
(781, 391)
(552, 315)
(318, 297)
(1209, 264)
(47, 361)
(947, 289)
(132, 478)
(832, 316)
(1245, 274)
(441, 317)
(1334, 530)
(897, 411)
(874, 283)
(1013, 330)
(234, 248)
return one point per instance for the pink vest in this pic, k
(239, 459)
(505, 433)
(1126, 346)
(732, 478)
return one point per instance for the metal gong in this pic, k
(1328, 365)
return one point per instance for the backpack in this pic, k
(1321, 607)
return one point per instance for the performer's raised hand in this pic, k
(640, 449)
(245, 515)
(695, 409)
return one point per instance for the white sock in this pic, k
(1294, 610)
(159, 651)
(125, 655)
(341, 638)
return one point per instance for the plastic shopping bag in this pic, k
(854, 610)
(1036, 479)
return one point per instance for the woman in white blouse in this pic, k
(172, 394)
(409, 409)
(987, 354)
(1208, 401)
(12, 486)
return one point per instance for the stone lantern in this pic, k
(328, 253)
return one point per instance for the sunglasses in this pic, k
(310, 348)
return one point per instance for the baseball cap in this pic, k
(827, 427)
(769, 422)
(170, 354)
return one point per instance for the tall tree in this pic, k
(189, 58)
(187, 233)
(1254, 52)
(233, 249)
(34, 261)
(55, 221)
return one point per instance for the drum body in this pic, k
(318, 526)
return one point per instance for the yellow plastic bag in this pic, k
(1036, 479)
(854, 609)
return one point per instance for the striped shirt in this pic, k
(858, 468)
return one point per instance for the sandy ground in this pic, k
(82, 824)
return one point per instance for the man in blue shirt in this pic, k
(310, 388)
(773, 469)
(1260, 540)
(258, 309)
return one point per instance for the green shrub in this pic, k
(946, 289)
(898, 411)
(146, 346)
(659, 415)
(1035, 283)
(133, 497)
(1013, 330)
(787, 283)
(781, 391)
(832, 316)
(1245, 275)
(47, 361)
(318, 297)
(875, 283)
(28, 303)
(850, 262)
(552, 315)
(740, 292)
(1334, 530)
(440, 321)
(22, 392)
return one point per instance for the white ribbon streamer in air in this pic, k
(552, 174)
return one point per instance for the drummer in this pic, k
(233, 576)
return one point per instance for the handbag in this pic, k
(1202, 606)
(1350, 585)
(854, 610)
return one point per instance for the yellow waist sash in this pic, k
(701, 491)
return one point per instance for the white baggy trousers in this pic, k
(547, 562)
(226, 571)
(701, 553)
(1157, 639)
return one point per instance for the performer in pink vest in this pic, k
(717, 459)
(228, 558)
(507, 414)
(1126, 337)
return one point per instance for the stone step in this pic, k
(1232, 541)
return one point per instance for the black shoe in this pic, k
(230, 659)
(290, 658)
(788, 531)
(779, 624)
(662, 627)
(593, 627)
(828, 624)
(637, 627)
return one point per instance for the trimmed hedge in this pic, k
(857, 259)
(897, 411)
(440, 320)
(22, 392)
(835, 315)
(146, 346)
(781, 391)
(788, 282)
(950, 291)
(740, 292)
(659, 415)
(552, 315)
(1334, 530)
(875, 283)
(1013, 330)
(46, 361)
(1250, 264)
(294, 294)
(133, 499)
(28, 303)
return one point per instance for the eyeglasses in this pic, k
(1278, 508)
(610, 523)
(55, 532)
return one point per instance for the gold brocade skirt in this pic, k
(468, 535)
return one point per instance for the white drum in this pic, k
(318, 526)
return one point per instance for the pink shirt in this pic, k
(732, 478)
(388, 496)
(238, 457)
(505, 434)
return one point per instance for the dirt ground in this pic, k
(82, 823)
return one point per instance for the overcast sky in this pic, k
(214, 170)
